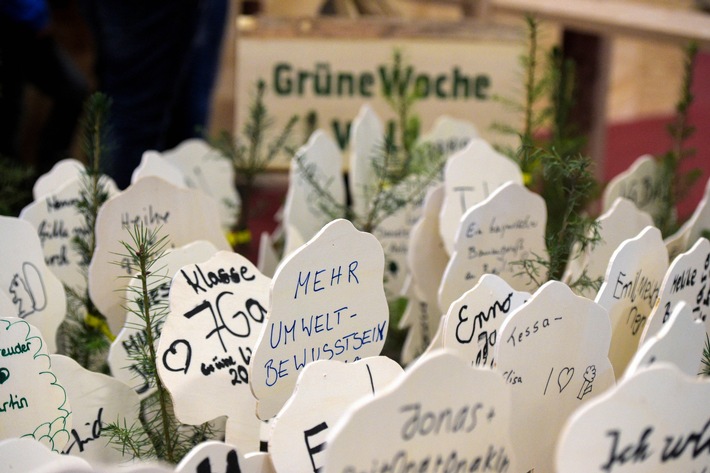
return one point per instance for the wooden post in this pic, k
(591, 56)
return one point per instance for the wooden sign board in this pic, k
(333, 66)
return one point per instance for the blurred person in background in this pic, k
(29, 55)
(157, 60)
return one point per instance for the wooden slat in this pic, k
(376, 28)
(618, 18)
(611, 17)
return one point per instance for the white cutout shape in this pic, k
(621, 222)
(268, 260)
(324, 391)
(641, 184)
(421, 324)
(688, 280)
(258, 462)
(629, 292)
(656, 421)
(322, 157)
(153, 164)
(693, 228)
(426, 261)
(212, 456)
(217, 311)
(97, 400)
(409, 426)
(183, 215)
(206, 169)
(36, 293)
(449, 135)
(132, 336)
(393, 233)
(553, 353)
(34, 403)
(63, 171)
(506, 227)
(327, 302)
(680, 342)
(366, 140)
(57, 221)
(472, 324)
(470, 176)
(28, 455)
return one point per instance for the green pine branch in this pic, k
(674, 182)
(85, 335)
(159, 435)
(403, 170)
(549, 155)
(250, 155)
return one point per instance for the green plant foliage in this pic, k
(159, 435)
(250, 155)
(705, 367)
(403, 170)
(15, 186)
(85, 335)
(549, 154)
(675, 182)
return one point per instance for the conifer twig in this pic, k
(159, 435)
(674, 183)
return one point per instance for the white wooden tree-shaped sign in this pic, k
(97, 400)
(153, 164)
(470, 176)
(693, 228)
(206, 169)
(553, 353)
(461, 424)
(448, 135)
(62, 172)
(621, 222)
(366, 140)
(426, 260)
(34, 404)
(641, 184)
(631, 287)
(321, 157)
(183, 215)
(217, 310)
(325, 390)
(680, 342)
(132, 337)
(57, 220)
(656, 421)
(36, 293)
(507, 227)
(212, 457)
(393, 234)
(25, 455)
(327, 302)
(687, 280)
(473, 321)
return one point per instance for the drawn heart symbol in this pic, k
(180, 361)
(564, 377)
(4, 375)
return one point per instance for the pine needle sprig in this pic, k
(250, 155)
(705, 367)
(320, 197)
(552, 162)
(85, 336)
(159, 435)
(15, 186)
(674, 182)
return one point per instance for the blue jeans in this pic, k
(157, 60)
